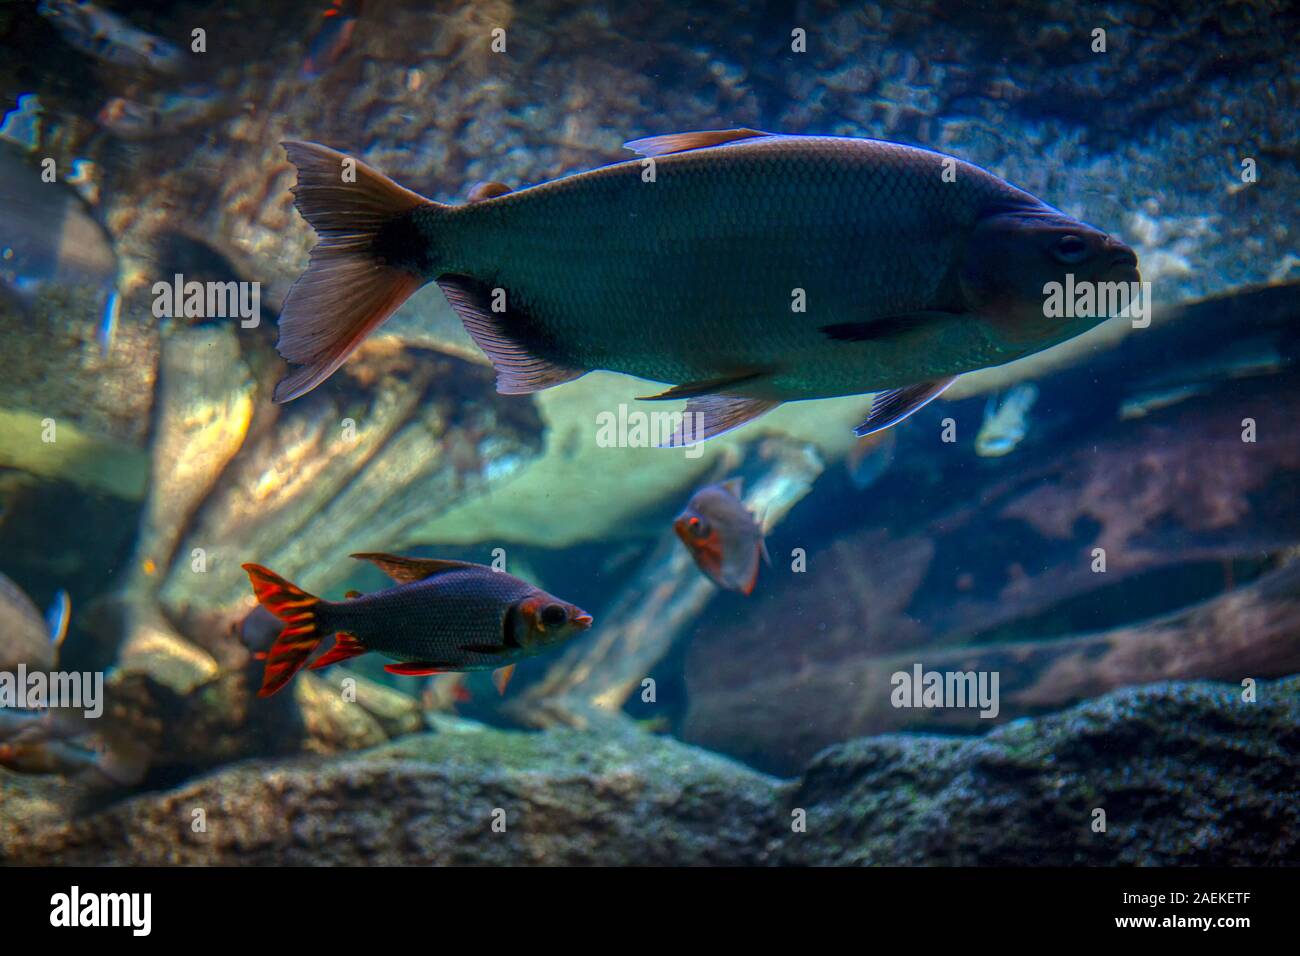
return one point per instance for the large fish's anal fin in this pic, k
(405, 570)
(502, 337)
(891, 407)
(418, 668)
(681, 142)
(345, 646)
(708, 416)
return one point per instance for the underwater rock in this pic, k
(1151, 758)
(332, 723)
(430, 799)
(395, 712)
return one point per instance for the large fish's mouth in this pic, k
(1123, 262)
(583, 620)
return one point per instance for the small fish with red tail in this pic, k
(722, 536)
(440, 616)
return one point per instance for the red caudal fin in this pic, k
(345, 646)
(298, 610)
(360, 272)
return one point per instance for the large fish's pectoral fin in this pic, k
(345, 646)
(708, 386)
(405, 570)
(891, 407)
(886, 327)
(418, 668)
(500, 335)
(707, 416)
(681, 142)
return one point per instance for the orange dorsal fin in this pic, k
(481, 191)
(681, 142)
(405, 570)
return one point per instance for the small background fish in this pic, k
(1006, 421)
(440, 616)
(722, 536)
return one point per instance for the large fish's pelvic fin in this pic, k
(298, 610)
(891, 407)
(520, 370)
(405, 570)
(348, 289)
(681, 142)
(707, 416)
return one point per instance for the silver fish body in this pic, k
(746, 269)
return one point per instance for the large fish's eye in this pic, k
(1071, 248)
(553, 615)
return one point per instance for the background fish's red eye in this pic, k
(699, 527)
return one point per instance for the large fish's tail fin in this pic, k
(351, 284)
(300, 613)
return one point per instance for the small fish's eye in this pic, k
(553, 615)
(699, 527)
(1071, 248)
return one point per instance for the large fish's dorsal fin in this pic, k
(405, 570)
(489, 190)
(681, 142)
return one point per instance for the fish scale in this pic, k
(713, 249)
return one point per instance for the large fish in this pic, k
(441, 616)
(747, 269)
